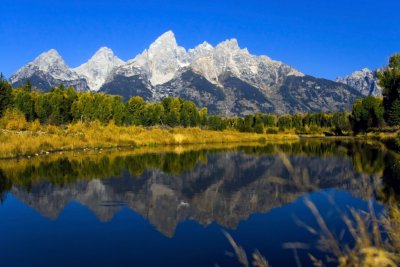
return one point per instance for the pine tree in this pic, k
(394, 113)
(5, 95)
(389, 80)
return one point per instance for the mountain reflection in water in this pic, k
(222, 186)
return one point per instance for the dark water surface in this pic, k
(170, 208)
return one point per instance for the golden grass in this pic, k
(35, 139)
(382, 135)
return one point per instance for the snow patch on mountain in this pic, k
(49, 62)
(99, 66)
(365, 81)
(162, 59)
(228, 57)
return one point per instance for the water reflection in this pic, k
(224, 186)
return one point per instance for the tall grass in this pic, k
(21, 138)
(376, 239)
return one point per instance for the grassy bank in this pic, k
(37, 139)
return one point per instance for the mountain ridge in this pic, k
(224, 78)
(365, 80)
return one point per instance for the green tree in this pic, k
(341, 122)
(118, 110)
(22, 99)
(189, 114)
(259, 128)
(172, 107)
(284, 122)
(135, 109)
(269, 120)
(367, 113)
(28, 86)
(216, 123)
(203, 116)
(297, 121)
(5, 95)
(55, 107)
(152, 114)
(389, 80)
(42, 107)
(83, 107)
(248, 124)
(393, 114)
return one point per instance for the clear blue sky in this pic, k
(321, 38)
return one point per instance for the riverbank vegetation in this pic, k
(33, 121)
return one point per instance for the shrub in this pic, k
(13, 119)
(272, 130)
(34, 126)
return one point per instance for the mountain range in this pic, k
(226, 79)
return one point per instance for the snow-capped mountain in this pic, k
(226, 79)
(48, 70)
(228, 57)
(99, 66)
(365, 81)
(162, 60)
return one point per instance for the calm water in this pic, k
(170, 208)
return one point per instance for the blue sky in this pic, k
(321, 38)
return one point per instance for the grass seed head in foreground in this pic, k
(376, 239)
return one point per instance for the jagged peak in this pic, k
(105, 53)
(366, 70)
(357, 73)
(230, 43)
(52, 52)
(204, 45)
(48, 57)
(98, 67)
(104, 50)
(165, 38)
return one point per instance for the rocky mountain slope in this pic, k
(226, 79)
(365, 81)
(46, 71)
(96, 70)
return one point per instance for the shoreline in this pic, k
(51, 140)
(80, 138)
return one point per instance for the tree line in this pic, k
(62, 105)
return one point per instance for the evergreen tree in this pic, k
(27, 86)
(5, 95)
(389, 80)
(22, 100)
(367, 113)
(42, 107)
(341, 122)
(393, 114)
